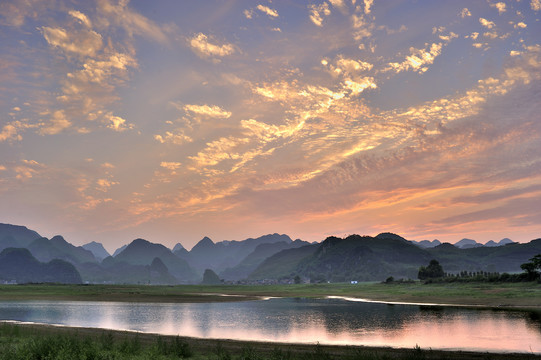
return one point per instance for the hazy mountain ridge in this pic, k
(20, 234)
(263, 251)
(271, 256)
(361, 258)
(225, 254)
(365, 258)
(463, 243)
(18, 264)
(143, 252)
(97, 250)
(58, 248)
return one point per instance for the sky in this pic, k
(173, 120)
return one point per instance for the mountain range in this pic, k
(28, 257)
(462, 244)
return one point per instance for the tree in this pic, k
(432, 271)
(533, 267)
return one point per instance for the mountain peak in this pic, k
(491, 243)
(178, 247)
(58, 239)
(97, 249)
(389, 235)
(466, 243)
(139, 242)
(205, 242)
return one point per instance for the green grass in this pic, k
(18, 341)
(523, 294)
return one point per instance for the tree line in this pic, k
(434, 272)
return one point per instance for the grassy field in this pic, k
(513, 295)
(23, 341)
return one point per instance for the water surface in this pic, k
(327, 321)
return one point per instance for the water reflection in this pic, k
(328, 321)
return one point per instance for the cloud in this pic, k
(209, 111)
(56, 124)
(205, 47)
(94, 72)
(133, 22)
(340, 5)
(486, 23)
(449, 37)
(84, 42)
(10, 132)
(100, 71)
(248, 13)
(357, 86)
(520, 25)
(317, 12)
(104, 185)
(367, 6)
(500, 6)
(14, 13)
(170, 165)
(349, 66)
(225, 148)
(535, 5)
(178, 138)
(418, 59)
(81, 17)
(474, 35)
(363, 28)
(117, 123)
(28, 169)
(267, 10)
(465, 13)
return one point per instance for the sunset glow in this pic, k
(174, 120)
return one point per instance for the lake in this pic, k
(327, 321)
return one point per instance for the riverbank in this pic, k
(497, 295)
(24, 341)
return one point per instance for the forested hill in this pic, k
(366, 258)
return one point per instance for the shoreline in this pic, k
(208, 346)
(534, 308)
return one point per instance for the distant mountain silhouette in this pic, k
(210, 278)
(30, 257)
(467, 243)
(226, 254)
(58, 248)
(283, 264)
(159, 273)
(181, 252)
(505, 241)
(178, 247)
(17, 235)
(256, 257)
(365, 258)
(97, 250)
(427, 243)
(18, 264)
(143, 252)
(119, 250)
